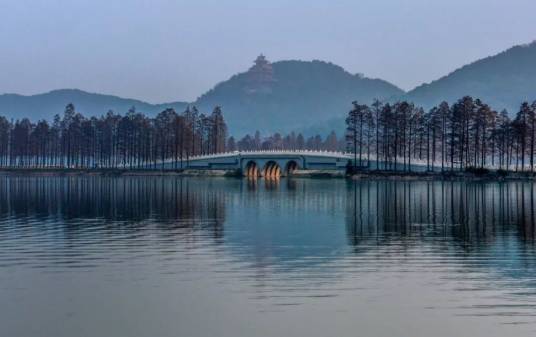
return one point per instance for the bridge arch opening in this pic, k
(292, 166)
(252, 170)
(272, 170)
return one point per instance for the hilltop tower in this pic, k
(261, 75)
(262, 70)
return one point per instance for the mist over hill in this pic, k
(287, 95)
(307, 96)
(282, 96)
(503, 81)
(46, 105)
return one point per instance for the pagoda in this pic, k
(261, 72)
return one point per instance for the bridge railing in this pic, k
(371, 157)
(343, 155)
(291, 152)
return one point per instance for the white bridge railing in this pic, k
(323, 153)
(366, 158)
(400, 162)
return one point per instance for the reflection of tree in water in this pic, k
(487, 228)
(466, 211)
(126, 201)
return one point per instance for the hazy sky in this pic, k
(162, 50)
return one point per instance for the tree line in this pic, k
(468, 134)
(135, 140)
(291, 141)
(111, 141)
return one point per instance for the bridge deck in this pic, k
(302, 159)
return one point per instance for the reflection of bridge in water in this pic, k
(277, 163)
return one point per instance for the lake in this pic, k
(172, 256)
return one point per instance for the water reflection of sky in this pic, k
(452, 252)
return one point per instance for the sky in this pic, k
(164, 50)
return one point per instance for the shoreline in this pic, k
(391, 175)
(448, 176)
(60, 172)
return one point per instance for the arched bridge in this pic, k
(265, 163)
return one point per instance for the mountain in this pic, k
(289, 95)
(280, 96)
(45, 106)
(308, 96)
(504, 81)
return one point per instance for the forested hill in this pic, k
(282, 96)
(45, 106)
(307, 95)
(503, 81)
(289, 95)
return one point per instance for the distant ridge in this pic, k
(269, 97)
(504, 81)
(46, 105)
(307, 95)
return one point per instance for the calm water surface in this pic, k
(167, 256)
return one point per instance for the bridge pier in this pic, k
(271, 170)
